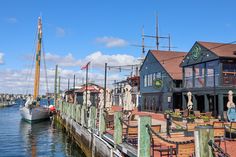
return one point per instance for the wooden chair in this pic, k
(191, 126)
(219, 133)
(218, 124)
(197, 113)
(185, 150)
(232, 128)
(185, 113)
(156, 128)
(163, 147)
(132, 135)
(208, 114)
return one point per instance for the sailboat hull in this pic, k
(35, 114)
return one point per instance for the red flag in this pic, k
(85, 67)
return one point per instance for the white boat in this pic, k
(32, 111)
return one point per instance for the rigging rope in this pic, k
(45, 68)
(29, 74)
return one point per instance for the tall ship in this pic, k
(31, 111)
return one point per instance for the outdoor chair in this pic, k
(219, 133)
(163, 147)
(218, 124)
(208, 114)
(197, 114)
(232, 129)
(191, 126)
(185, 113)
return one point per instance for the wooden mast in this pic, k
(38, 58)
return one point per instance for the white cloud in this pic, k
(60, 32)
(97, 59)
(112, 42)
(12, 20)
(21, 81)
(1, 58)
(67, 60)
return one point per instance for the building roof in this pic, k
(220, 49)
(93, 88)
(170, 61)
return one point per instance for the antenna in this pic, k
(143, 48)
(142, 45)
(157, 39)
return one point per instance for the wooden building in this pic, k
(161, 80)
(209, 72)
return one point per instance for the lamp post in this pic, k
(105, 85)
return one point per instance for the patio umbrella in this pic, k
(230, 103)
(101, 99)
(190, 103)
(128, 97)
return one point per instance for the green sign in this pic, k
(158, 83)
(196, 51)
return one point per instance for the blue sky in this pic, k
(75, 29)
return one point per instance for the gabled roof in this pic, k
(220, 49)
(170, 61)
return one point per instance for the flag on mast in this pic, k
(86, 66)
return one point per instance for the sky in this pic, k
(76, 32)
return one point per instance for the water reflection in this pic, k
(47, 139)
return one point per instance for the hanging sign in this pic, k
(196, 51)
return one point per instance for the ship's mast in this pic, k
(38, 58)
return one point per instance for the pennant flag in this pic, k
(85, 67)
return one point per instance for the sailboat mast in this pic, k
(38, 58)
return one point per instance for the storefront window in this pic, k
(145, 80)
(211, 69)
(199, 70)
(229, 74)
(188, 79)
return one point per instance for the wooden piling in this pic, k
(92, 116)
(78, 113)
(202, 135)
(83, 115)
(102, 124)
(144, 142)
(117, 128)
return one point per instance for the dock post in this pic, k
(74, 111)
(78, 113)
(144, 142)
(83, 115)
(202, 135)
(92, 116)
(117, 128)
(102, 124)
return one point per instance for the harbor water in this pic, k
(21, 139)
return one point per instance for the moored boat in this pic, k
(32, 111)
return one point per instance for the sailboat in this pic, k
(32, 111)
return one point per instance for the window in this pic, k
(188, 77)
(199, 70)
(212, 73)
(145, 80)
(229, 73)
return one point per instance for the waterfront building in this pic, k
(119, 91)
(76, 95)
(161, 80)
(209, 72)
